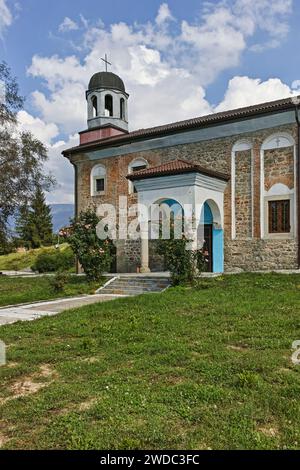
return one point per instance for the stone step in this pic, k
(141, 284)
(126, 292)
(135, 285)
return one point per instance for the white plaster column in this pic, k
(144, 252)
(144, 232)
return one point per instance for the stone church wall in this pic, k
(246, 252)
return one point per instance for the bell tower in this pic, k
(107, 109)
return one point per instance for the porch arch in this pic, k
(210, 234)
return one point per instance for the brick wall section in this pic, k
(243, 253)
(243, 194)
(279, 167)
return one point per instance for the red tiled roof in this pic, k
(211, 119)
(175, 167)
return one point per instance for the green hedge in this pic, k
(54, 261)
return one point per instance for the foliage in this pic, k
(19, 260)
(183, 263)
(17, 290)
(54, 260)
(178, 260)
(171, 371)
(34, 223)
(93, 254)
(59, 281)
(22, 156)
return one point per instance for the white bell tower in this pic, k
(107, 101)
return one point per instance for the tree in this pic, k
(22, 156)
(93, 253)
(34, 223)
(22, 227)
(40, 220)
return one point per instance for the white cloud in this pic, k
(68, 25)
(245, 91)
(164, 14)
(6, 17)
(165, 69)
(42, 131)
(61, 168)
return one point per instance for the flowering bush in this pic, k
(93, 254)
(184, 264)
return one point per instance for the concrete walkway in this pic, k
(28, 312)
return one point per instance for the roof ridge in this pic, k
(208, 119)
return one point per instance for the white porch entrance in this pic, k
(200, 192)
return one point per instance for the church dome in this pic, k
(106, 80)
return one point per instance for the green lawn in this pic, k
(17, 290)
(19, 261)
(201, 368)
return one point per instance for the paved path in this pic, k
(36, 310)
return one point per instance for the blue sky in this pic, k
(178, 59)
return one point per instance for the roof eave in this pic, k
(185, 126)
(211, 174)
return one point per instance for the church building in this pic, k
(241, 167)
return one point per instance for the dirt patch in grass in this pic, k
(269, 430)
(88, 404)
(238, 347)
(3, 440)
(31, 384)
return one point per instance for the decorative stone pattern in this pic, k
(246, 254)
(243, 194)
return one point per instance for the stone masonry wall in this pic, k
(243, 253)
(243, 195)
(279, 167)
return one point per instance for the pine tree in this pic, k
(34, 223)
(22, 226)
(40, 220)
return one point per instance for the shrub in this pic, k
(53, 261)
(184, 264)
(93, 253)
(59, 281)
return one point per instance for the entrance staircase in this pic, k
(134, 285)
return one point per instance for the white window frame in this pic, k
(136, 162)
(95, 177)
(278, 191)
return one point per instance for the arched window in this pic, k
(136, 165)
(108, 105)
(277, 189)
(122, 108)
(95, 106)
(98, 180)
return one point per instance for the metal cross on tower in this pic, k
(106, 62)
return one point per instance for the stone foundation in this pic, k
(260, 255)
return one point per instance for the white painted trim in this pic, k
(106, 284)
(289, 196)
(187, 180)
(93, 178)
(130, 167)
(272, 143)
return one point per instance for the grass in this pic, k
(202, 368)
(17, 290)
(19, 261)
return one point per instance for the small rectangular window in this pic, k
(279, 216)
(100, 185)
